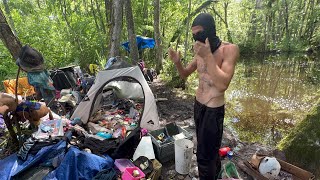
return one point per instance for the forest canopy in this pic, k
(80, 32)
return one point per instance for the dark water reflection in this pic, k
(269, 94)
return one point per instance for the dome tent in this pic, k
(89, 104)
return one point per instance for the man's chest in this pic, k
(207, 65)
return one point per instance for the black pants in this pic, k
(209, 129)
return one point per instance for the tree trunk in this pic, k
(103, 27)
(224, 20)
(287, 23)
(108, 7)
(226, 4)
(134, 54)
(117, 6)
(7, 10)
(109, 20)
(303, 17)
(265, 42)
(145, 15)
(251, 34)
(99, 29)
(95, 17)
(157, 35)
(273, 29)
(11, 42)
(38, 3)
(187, 32)
(74, 35)
(279, 27)
(14, 46)
(268, 25)
(311, 22)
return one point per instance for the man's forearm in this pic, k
(181, 70)
(219, 78)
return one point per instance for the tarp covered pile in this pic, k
(73, 163)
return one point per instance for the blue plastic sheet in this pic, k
(75, 164)
(142, 42)
(12, 166)
(80, 165)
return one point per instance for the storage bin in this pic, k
(156, 173)
(122, 164)
(165, 151)
(127, 175)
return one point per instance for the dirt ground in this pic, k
(179, 108)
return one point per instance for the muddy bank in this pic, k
(302, 145)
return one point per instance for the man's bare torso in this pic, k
(207, 93)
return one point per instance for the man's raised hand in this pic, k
(202, 49)
(174, 55)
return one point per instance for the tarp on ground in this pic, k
(80, 165)
(12, 165)
(24, 88)
(76, 164)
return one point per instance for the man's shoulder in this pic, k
(227, 45)
(230, 48)
(230, 51)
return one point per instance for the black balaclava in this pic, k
(209, 31)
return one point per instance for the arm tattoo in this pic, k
(203, 68)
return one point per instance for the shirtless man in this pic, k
(215, 63)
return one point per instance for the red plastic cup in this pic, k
(224, 151)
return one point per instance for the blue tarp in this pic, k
(12, 165)
(80, 165)
(142, 42)
(75, 164)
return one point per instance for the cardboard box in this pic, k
(296, 172)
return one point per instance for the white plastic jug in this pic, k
(183, 155)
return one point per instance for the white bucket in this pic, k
(183, 155)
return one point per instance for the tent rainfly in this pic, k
(89, 104)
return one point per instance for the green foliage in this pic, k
(7, 68)
(61, 39)
(315, 40)
(78, 32)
